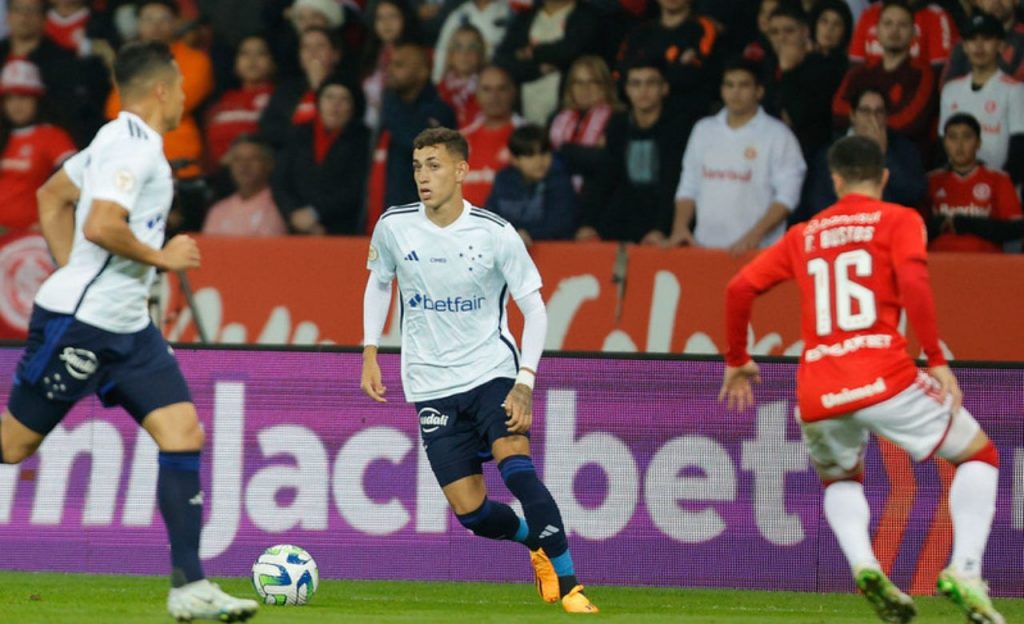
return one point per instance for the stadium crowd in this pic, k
(662, 122)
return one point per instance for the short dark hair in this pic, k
(171, 5)
(903, 4)
(791, 10)
(745, 65)
(139, 60)
(963, 119)
(857, 159)
(529, 140)
(452, 140)
(860, 93)
(646, 61)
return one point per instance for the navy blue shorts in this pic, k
(458, 431)
(66, 360)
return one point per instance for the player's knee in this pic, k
(13, 453)
(987, 454)
(476, 521)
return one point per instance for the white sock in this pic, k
(847, 512)
(972, 503)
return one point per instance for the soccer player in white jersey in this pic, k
(103, 217)
(456, 266)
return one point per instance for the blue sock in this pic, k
(523, 533)
(546, 528)
(492, 520)
(181, 505)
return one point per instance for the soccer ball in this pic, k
(285, 575)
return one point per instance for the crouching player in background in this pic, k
(456, 267)
(855, 264)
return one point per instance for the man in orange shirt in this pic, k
(488, 134)
(183, 146)
(856, 265)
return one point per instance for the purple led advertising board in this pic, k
(658, 483)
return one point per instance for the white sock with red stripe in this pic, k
(847, 512)
(972, 504)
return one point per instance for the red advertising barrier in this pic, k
(601, 297)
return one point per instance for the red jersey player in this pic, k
(970, 207)
(855, 264)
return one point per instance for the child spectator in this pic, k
(970, 206)
(31, 148)
(534, 193)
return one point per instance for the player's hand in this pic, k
(681, 236)
(371, 382)
(947, 385)
(304, 219)
(519, 408)
(736, 385)
(587, 233)
(179, 254)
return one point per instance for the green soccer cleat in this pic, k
(888, 601)
(971, 595)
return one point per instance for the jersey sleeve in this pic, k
(1015, 114)
(909, 238)
(59, 147)
(788, 170)
(858, 42)
(74, 167)
(689, 179)
(515, 263)
(1007, 204)
(775, 264)
(939, 34)
(119, 172)
(381, 257)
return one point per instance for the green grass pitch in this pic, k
(29, 598)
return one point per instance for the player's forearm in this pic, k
(116, 237)
(57, 222)
(535, 329)
(739, 304)
(916, 295)
(376, 303)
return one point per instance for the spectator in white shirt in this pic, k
(742, 171)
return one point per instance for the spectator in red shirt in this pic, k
(970, 207)
(293, 102)
(488, 136)
(31, 148)
(464, 59)
(238, 111)
(910, 88)
(933, 37)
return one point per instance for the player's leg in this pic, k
(17, 442)
(150, 386)
(836, 447)
(972, 505)
(918, 421)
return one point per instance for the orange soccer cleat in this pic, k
(544, 576)
(576, 602)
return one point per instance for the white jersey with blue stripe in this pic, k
(454, 283)
(124, 164)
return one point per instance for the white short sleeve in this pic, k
(74, 167)
(119, 175)
(381, 257)
(1015, 114)
(516, 265)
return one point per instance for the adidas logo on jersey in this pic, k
(548, 531)
(412, 257)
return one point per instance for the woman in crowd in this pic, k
(320, 178)
(464, 59)
(832, 24)
(391, 23)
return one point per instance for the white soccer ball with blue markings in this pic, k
(285, 575)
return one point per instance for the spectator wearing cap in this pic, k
(869, 118)
(320, 178)
(293, 102)
(183, 146)
(799, 82)
(995, 99)
(970, 207)
(490, 17)
(932, 37)
(237, 111)
(251, 210)
(910, 88)
(540, 45)
(76, 88)
(685, 43)
(1011, 57)
(31, 147)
